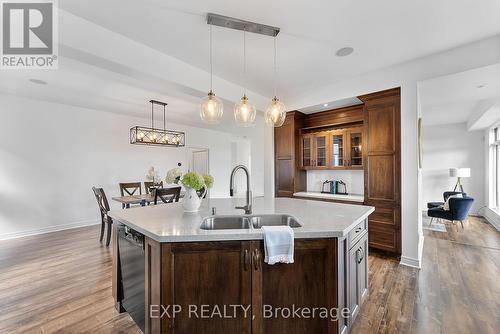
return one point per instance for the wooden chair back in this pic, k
(149, 184)
(130, 188)
(102, 201)
(167, 195)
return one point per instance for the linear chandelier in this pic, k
(211, 108)
(140, 135)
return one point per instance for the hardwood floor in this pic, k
(456, 291)
(61, 283)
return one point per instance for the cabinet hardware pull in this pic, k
(358, 230)
(256, 259)
(246, 260)
(361, 257)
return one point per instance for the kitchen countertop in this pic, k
(317, 194)
(169, 222)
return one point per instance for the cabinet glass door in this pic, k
(320, 151)
(337, 150)
(356, 156)
(306, 152)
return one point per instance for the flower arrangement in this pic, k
(173, 176)
(192, 180)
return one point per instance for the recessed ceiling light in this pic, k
(38, 81)
(481, 86)
(344, 51)
(325, 105)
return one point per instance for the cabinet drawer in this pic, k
(357, 232)
(383, 237)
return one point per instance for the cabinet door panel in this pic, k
(382, 128)
(355, 148)
(363, 270)
(207, 274)
(284, 177)
(383, 237)
(320, 150)
(353, 282)
(285, 285)
(337, 149)
(381, 177)
(284, 140)
(306, 151)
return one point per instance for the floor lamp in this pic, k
(459, 173)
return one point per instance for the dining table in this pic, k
(142, 199)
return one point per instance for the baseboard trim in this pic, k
(49, 229)
(492, 217)
(410, 262)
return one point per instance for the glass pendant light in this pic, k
(211, 108)
(244, 112)
(275, 112)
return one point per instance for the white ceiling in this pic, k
(102, 40)
(351, 101)
(459, 97)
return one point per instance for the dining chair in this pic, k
(129, 189)
(149, 184)
(167, 195)
(103, 204)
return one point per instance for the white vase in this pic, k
(191, 201)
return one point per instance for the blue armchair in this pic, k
(459, 210)
(446, 194)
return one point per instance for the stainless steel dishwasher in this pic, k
(131, 249)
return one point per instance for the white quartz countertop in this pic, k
(169, 222)
(317, 194)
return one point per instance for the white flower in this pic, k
(173, 176)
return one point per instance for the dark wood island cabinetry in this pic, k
(217, 281)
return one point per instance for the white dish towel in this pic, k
(278, 244)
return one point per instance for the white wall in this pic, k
(447, 146)
(52, 154)
(353, 178)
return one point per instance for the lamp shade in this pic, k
(459, 172)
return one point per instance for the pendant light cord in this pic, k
(275, 69)
(211, 63)
(152, 118)
(164, 118)
(245, 60)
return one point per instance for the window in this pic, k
(495, 168)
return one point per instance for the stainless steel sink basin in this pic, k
(274, 220)
(247, 222)
(225, 223)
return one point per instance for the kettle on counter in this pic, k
(328, 187)
(341, 188)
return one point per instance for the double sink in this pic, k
(248, 222)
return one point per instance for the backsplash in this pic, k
(353, 178)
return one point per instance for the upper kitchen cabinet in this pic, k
(333, 149)
(314, 150)
(354, 137)
(321, 149)
(306, 151)
(288, 177)
(337, 148)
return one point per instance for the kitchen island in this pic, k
(214, 279)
